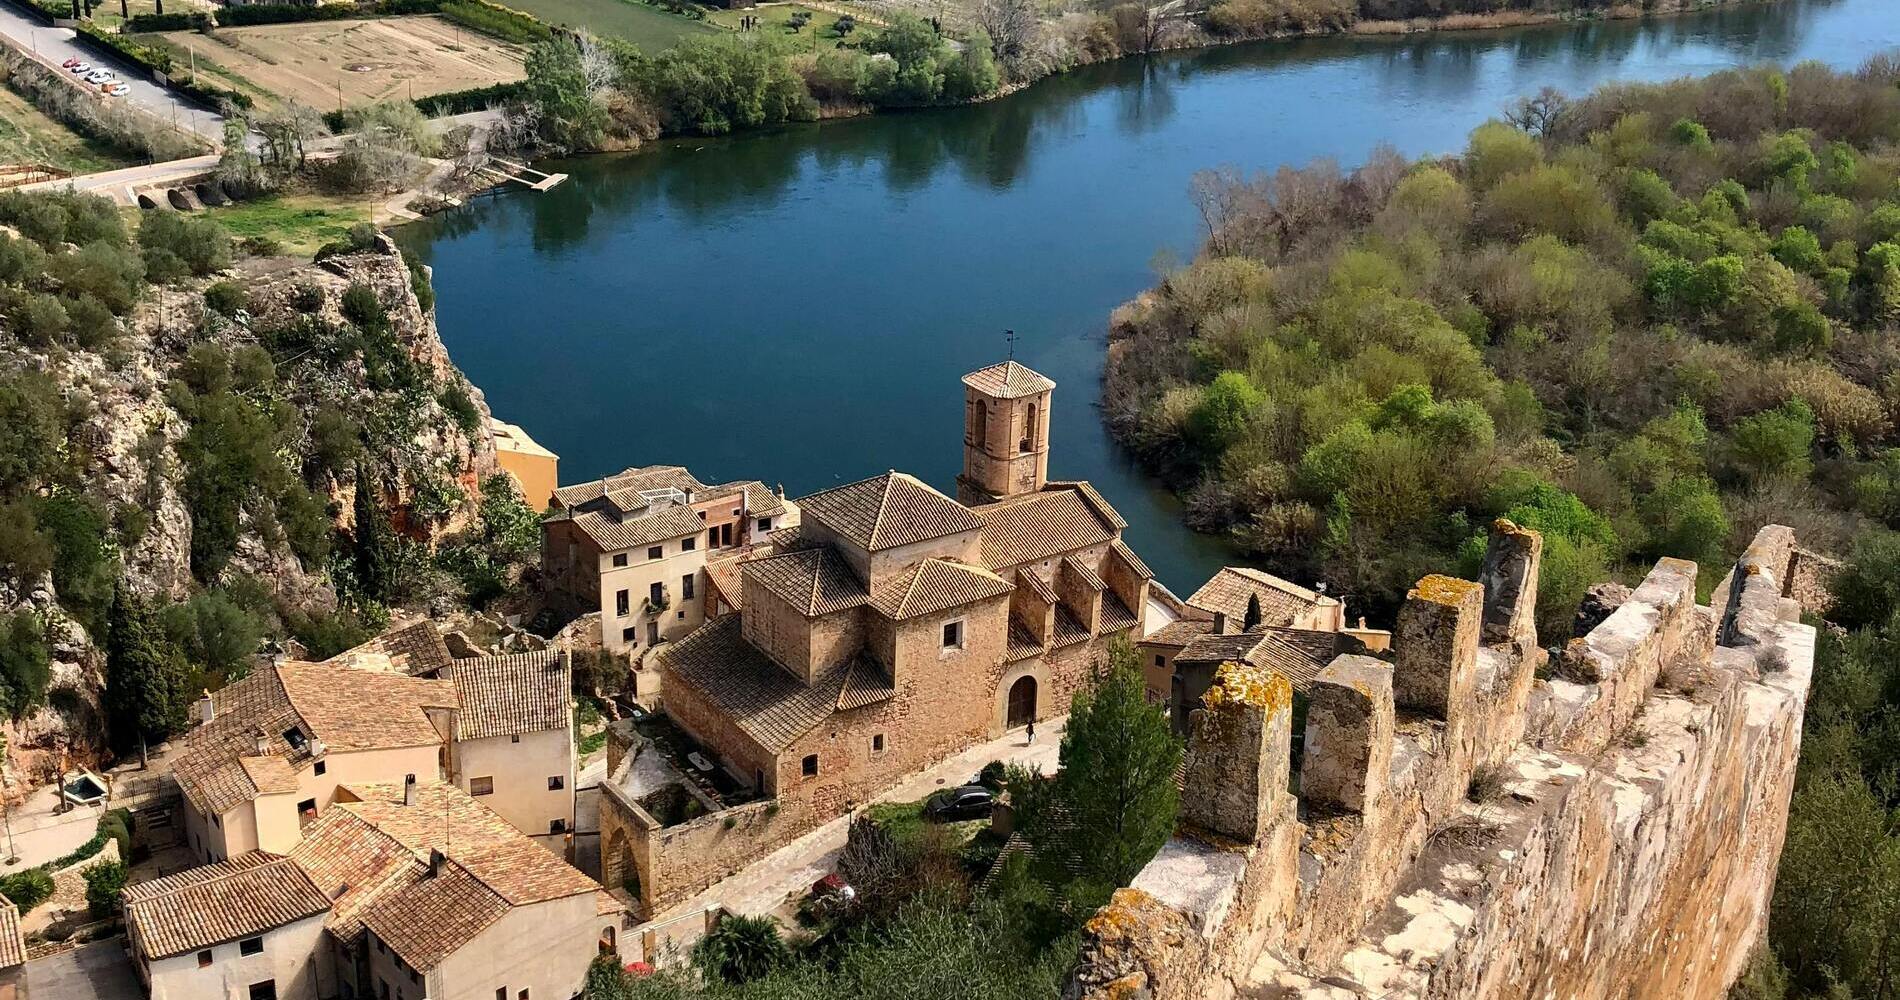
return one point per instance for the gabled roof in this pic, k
(763, 699)
(1281, 601)
(887, 511)
(1008, 380)
(616, 514)
(727, 577)
(612, 531)
(814, 581)
(648, 477)
(1300, 654)
(1036, 526)
(416, 650)
(239, 898)
(12, 942)
(1130, 559)
(430, 918)
(936, 585)
(511, 695)
(345, 708)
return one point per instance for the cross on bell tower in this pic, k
(1005, 431)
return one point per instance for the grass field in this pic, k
(28, 136)
(319, 63)
(301, 222)
(776, 18)
(650, 28)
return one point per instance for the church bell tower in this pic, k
(1005, 433)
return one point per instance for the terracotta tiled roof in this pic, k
(727, 576)
(1036, 526)
(345, 708)
(1300, 654)
(1179, 633)
(1069, 628)
(1116, 616)
(1008, 380)
(763, 699)
(789, 539)
(1028, 577)
(12, 943)
(512, 694)
(1022, 641)
(606, 905)
(1280, 601)
(613, 532)
(865, 684)
(1083, 572)
(1130, 559)
(355, 863)
(813, 581)
(269, 775)
(888, 511)
(1094, 498)
(197, 908)
(429, 919)
(650, 477)
(416, 650)
(758, 499)
(935, 585)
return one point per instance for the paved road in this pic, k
(97, 971)
(55, 45)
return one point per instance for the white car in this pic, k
(81, 69)
(118, 90)
(99, 76)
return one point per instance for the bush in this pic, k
(742, 949)
(105, 882)
(227, 298)
(27, 889)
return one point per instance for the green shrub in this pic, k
(226, 298)
(27, 889)
(105, 882)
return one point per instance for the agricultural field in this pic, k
(776, 18)
(326, 63)
(28, 136)
(110, 13)
(653, 29)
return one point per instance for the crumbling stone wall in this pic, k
(1466, 830)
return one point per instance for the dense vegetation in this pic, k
(1645, 322)
(927, 921)
(260, 422)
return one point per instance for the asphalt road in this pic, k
(55, 45)
(97, 971)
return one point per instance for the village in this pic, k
(418, 817)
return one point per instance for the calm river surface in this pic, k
(797, 306)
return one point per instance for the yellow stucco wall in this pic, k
(520, 772)
(294, 956)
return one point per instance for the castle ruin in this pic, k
(1475, 819)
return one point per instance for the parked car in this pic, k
(99, 76)
(69, 63)
(965, 802)
(80, 68)
(116, 90)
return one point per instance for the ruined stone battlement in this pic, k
(1467, 823)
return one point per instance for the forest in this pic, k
(1645, 322)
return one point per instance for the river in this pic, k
(798, 305)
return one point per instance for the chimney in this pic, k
(263, 745)
(317, 748)
(1220, 623)
(436, 857)
(779, 491)
(207, 710)
(409, 790)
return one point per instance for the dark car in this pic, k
(966, 802)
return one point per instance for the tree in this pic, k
(145, 694)
(741, 949)
(1538, 114)
(105, 882)
(287, 135)
(25, 667)
(558, 90)
(1253, 615)
(375, 549)
(1867, 588)
(1119, 756)
(1012, 26)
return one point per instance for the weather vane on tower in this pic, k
(1010, 335)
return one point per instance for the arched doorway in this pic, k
(1022, 702)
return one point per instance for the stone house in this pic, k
(271, 749)
(400, 891)
(634, 546)
(893, 627)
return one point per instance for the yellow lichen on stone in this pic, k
(1447, 590)
(1122, 916)
(1237, 683)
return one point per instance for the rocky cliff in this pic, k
(127, 428)
(1471, 822)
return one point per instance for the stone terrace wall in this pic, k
(1466, 831)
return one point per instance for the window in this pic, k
(655, 551)
(266, 990)
(557, 826)
(620, 559)
(380, 950)
(765, 524)
(514, 737)
(686, 586)
(295, 738)
(877, 743)
(810, 765)
(953, 634)
(556, 783)
(523, 995)
(319, 768)
(307, 807)
(251, 946)
(501, 993)
(204, 959)
(1160, 661)
(725, 534)
(217, 821)
(681, 615)
(628, 635)
(622, 604)
(656, 593)
(482, 786)
(382, 985)
(689, 543)
(1028, 442)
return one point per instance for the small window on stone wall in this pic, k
(877, 743)
(810, 765)
(481, 786)
(953, 635)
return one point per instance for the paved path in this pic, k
(40, 833)
(763, 886)
(97, 971)
(55, 45)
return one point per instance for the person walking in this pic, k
(1032, 733)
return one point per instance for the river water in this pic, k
(797, 305)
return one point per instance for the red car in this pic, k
(69, 64)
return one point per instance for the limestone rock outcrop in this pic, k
(1464, 829)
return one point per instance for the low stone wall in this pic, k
(1470, 832)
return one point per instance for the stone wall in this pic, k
(1466, 830)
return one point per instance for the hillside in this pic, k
(186, 438)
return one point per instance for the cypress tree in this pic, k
(145, 674)
(375, 555)
(1253, 613)
(1119, 756)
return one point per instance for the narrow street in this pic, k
(55, 45)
